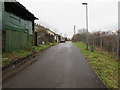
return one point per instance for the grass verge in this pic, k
(103, 64)
(10, 57)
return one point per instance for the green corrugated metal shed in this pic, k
(1, 16)
(18, 25)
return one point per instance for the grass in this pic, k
(10, 57)
(103, 64)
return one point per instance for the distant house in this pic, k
(41, 35)
(57, 37)
(51, 35)
(17, 26)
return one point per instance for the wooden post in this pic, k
(101, 41)
(35, 37)
(118, 45)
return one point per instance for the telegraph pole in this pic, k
(74, 29)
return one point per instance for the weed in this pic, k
(103, 63)
(10, 57)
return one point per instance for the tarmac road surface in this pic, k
(61, 66)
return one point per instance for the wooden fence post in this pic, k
(118, 45)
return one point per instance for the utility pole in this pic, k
(74, 34)
(74, 29)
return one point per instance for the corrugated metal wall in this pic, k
(17, 34)
(17, 40)
(1, 24)
(1, 11)
(13, 22)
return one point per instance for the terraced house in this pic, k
(46, 35)
(17, 26)
(41, 35)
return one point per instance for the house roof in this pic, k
(50, 31)
(39, 28)
(19, 10)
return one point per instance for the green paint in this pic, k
(17, 40)
(13, 22)
(18, 33)
(0, 15)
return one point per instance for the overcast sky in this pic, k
(61, 15)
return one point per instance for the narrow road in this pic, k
(61, 66)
